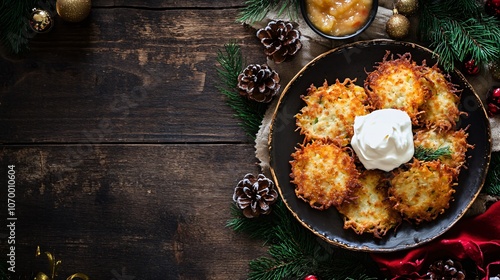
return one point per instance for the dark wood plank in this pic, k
(157, 211)
(124, 75)
(158, 4)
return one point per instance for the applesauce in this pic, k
(338, 17)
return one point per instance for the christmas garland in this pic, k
(293, 251)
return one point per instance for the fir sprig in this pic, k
(294, 251)
(459, 29)
(249, 112)
(429, 154)
(256, 10)
(14, 23)
(492, 183)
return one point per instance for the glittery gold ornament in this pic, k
(407, 7)
(73, 10)
(40, 21)
(398, 26)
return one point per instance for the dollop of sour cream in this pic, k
(383, 139)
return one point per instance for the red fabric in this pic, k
(476, 238)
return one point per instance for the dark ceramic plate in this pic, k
(353, 61)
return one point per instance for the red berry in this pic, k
(493, 101)
(493, 96)
(492, 7)
(471, 67)
(493, 109)
(310, 277)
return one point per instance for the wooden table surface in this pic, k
(126, 155)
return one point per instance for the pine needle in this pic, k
(459, 30)
(249, 112)
(257, 10)
(428, 154)
(492, 183)
(294, 251)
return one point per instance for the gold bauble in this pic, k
(398, 26)
(407, 7)
(73, 10)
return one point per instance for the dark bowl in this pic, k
(371, 17)
(354, 61)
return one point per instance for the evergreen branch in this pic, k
(458, 30)
(294, 251)
(14, 22)
(249, 112)
(257, 10)
(257, 228)
(429, 154)
(492, 183)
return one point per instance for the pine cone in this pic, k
(446, 270)
(280, 39)
(259, 83)
(255, 195)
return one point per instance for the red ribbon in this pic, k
(476, 238)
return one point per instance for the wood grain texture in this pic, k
(125, 75)
(172, 4)
(126, 153)
(157, 211)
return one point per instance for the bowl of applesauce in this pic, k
(339, 19)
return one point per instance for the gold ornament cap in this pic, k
(73, 10)
(407, 7)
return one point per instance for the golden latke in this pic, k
(434, 139)
(371, 211)
(324, 174)
(441, 109)
(423, 191)
(330, 111)
(397, 84)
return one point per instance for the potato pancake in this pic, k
(441, 109)
(324, 174)
(455, 141)
(397, 84)
(371, 211)
(326, 171)
(423, 191)
(330, 111)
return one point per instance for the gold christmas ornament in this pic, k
(73, 10)
(41, 21)
(398, 26)
(407, 7)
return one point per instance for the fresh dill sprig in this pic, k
(429, 154)
(256, 10)
(249, 112)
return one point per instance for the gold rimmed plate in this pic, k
(354, 61)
